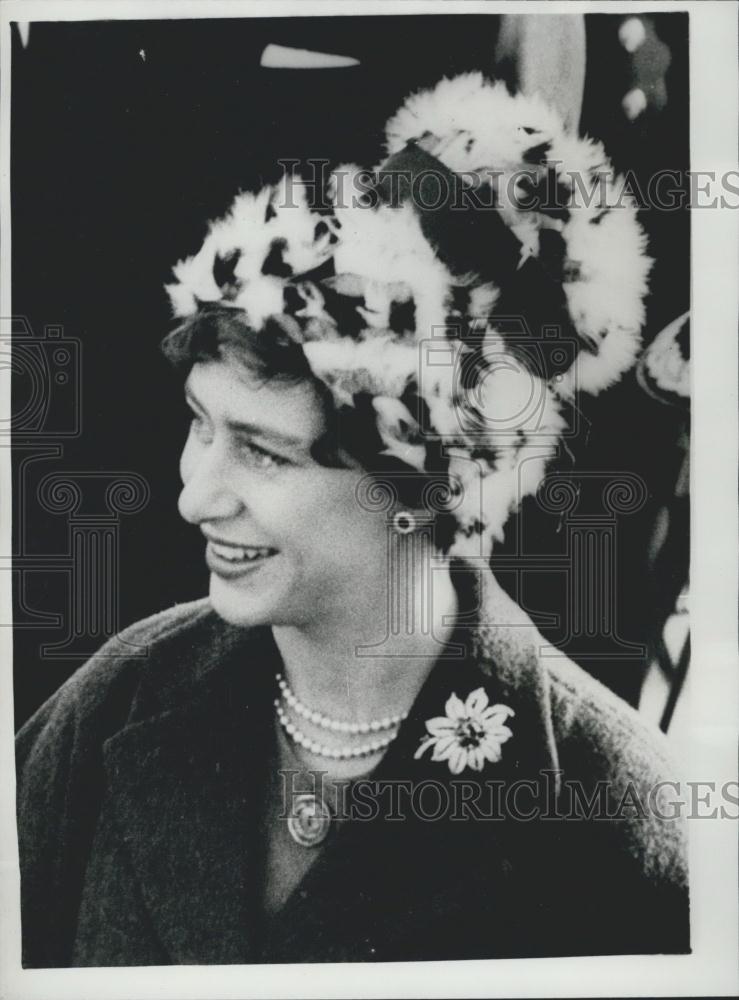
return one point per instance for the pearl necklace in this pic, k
(377, 726)
(339, 753)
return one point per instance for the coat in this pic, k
(139, 797)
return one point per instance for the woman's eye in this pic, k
(260, 458)
(199, 428)
(252, 454)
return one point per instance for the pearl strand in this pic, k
(340, 753)
(355, 728)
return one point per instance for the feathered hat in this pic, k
(488, 271)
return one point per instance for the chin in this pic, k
(251, 606)
(240, 607)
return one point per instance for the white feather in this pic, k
(378, 365)
(469, 107)
(386, 245)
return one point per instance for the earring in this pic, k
(404, 522)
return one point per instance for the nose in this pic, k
(207, 493)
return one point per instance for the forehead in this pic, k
(232, 394)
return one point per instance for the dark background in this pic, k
(117, 160)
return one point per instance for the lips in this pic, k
(239, 553)
(229, 560)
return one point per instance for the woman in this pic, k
(358, 747)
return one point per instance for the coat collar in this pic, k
(186, 785)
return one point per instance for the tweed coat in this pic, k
(141, 782)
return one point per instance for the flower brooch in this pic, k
(470, 733)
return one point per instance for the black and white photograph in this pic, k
(369, 499)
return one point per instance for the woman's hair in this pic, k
(216, 332)
(221, 333)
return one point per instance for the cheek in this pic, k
(333, 523)
(314, 516)
(301, 512)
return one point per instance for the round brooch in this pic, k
(309, 821)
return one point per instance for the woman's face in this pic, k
(287, 541)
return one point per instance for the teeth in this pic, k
(235, 553)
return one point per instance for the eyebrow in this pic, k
(287, 440)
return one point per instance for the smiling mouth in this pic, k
(231, 562)
(240, 553)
